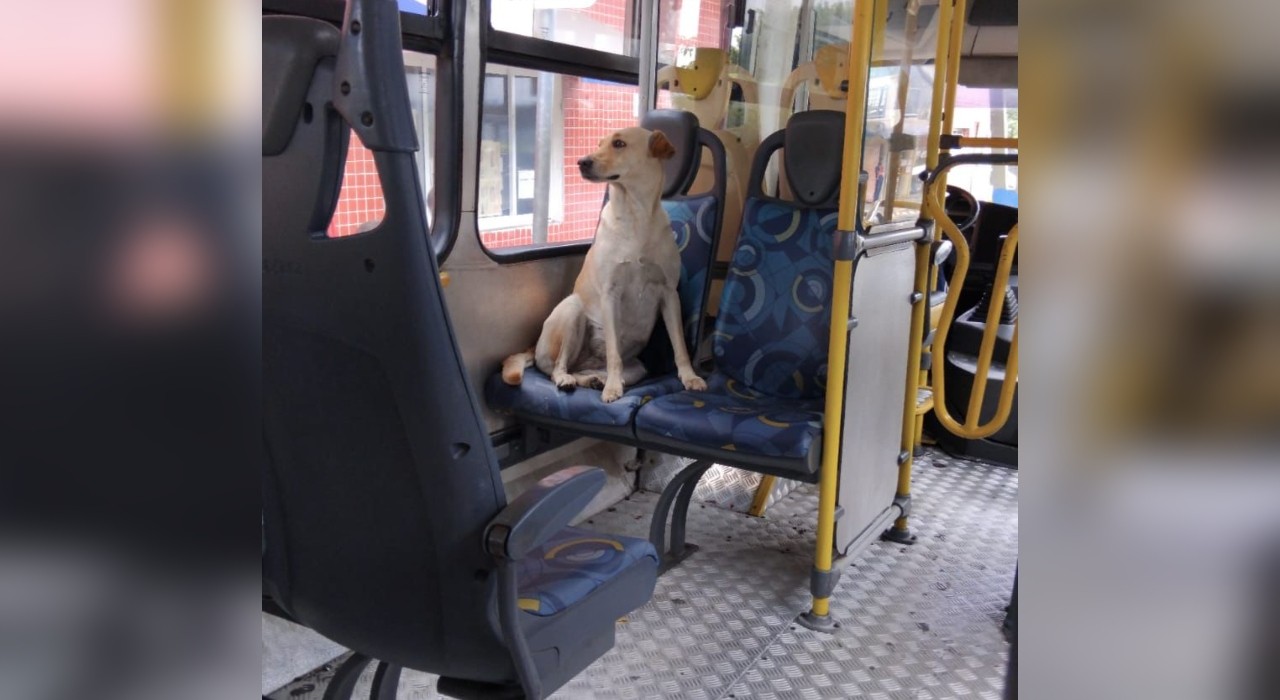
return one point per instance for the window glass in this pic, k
(360, 203)
(899, 104)
(685, 25)
(419, 7)
(603, 25)
(983, 113)
(745, 82)
(532, 118)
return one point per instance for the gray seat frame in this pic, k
(385, 524)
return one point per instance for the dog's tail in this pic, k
(513, 367)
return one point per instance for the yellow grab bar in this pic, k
(972, 142)
(841, 298)
(972, 428)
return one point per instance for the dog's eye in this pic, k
(619, 143)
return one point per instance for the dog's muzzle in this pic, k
(587, 166)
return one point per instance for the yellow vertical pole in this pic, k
(189, 71)
(761, 500)
(900, 531)
(946, 17)
(837, 353)
(956, 47)
(941, 63)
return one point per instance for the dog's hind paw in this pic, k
(694, 383)
(564, 380)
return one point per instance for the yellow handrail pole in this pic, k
(191, 89)
(939, 84)
(970, 142)
(988, 346)
(761, 499)
(842, 285)
(937, 212)
(972, 429)
(914, 351)
(900, 530)
(956, 47)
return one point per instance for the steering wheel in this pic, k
(962, 207)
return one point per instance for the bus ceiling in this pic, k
(993, 13)
(991, 45)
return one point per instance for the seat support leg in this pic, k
(761, 500)
(386, 681)
(679, 518)
(675, 494)
(344, 680)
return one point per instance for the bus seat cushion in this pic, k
(732, 417)
(693, 220)
(538, 396)
(572, 564)
(772, 329)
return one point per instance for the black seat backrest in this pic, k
(379, 477)
(681, 129)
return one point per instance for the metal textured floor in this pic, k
(918, 622)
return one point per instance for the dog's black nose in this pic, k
(586, 163)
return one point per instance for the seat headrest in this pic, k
(291, 48)
(681, 129)
(813, 147)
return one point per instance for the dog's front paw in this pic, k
(694, 383)
(564, 380)
(612, 392)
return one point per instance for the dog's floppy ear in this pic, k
(660, 147)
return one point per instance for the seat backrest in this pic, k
(379, 477)
(772, 328)
(695, 221)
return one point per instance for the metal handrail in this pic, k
(935, 208)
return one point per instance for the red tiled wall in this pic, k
(709, 23)
(606, 13)
(360, 201)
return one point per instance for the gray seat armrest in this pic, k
(542, 511)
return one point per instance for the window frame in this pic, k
(428, 32)
(568, 58)
(422, 34)
(517, 51)
(426, 155)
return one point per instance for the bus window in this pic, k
(536, 117)
(360, 204)
(744, 80)
(603, 25)
(419, 7)
(982, 113)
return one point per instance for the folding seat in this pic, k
(386, 527)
